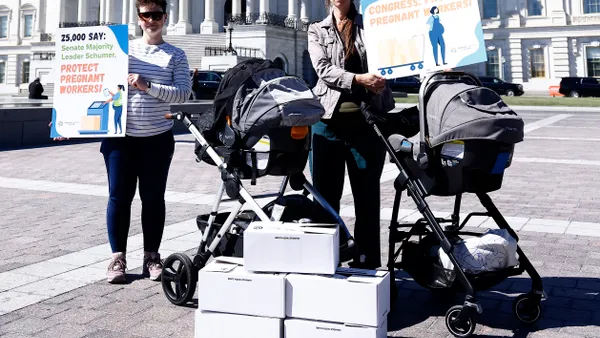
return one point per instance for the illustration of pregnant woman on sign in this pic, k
(117, 99)
(436, 35)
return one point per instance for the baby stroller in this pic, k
(466, 141)
(258, 125)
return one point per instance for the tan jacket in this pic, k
(327, 56)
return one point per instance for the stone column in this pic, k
(209, 25)
(516, 60)
(304, 10)
(173, 13)
(560, 55)
(61, 12)
(124, 12)
(236, 8)
(263, 11)
(81, 10)
(103, 11)
(108, 17)
(38, 19)
(249, 10)
(292, 9)
(134, 29)
(183, 26)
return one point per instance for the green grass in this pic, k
(532, 101)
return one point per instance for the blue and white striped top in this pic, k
(166, 66)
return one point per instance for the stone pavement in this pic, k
(53, 248)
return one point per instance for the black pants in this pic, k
(347, 140)
(128, 159)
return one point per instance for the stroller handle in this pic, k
(173, 116)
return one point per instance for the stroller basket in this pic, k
(419, 259)
(233, 245)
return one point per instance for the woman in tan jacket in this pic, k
(343, 137)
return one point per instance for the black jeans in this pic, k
(347, 140)
(128, 159)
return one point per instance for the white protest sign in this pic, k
(408, 37)
(90, 82)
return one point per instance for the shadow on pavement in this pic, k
(571, 302)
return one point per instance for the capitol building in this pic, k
(533, 42)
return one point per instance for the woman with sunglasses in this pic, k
(158, 76)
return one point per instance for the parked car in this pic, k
(409, 84)
(579, 86)
(207, 82)
(502, 87)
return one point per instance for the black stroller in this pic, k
(258, 125)
(467, 138)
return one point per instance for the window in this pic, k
(25, 72)
(2, 71)
(592, 56)
(534, 7)
(28, 28)
(537, 62)
(490, 9)
(493, 63)
(3, 27)
(591, 6)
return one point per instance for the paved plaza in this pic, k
(54, 249)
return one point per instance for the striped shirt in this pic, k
(166, 67)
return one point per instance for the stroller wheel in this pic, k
(179, 278)
(527, 309)
(460, 328)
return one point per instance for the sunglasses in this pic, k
(156, 16)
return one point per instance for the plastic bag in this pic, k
(495, 250)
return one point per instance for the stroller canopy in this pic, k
(258, 96)
(459, 111)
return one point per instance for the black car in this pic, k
(502, 87)
(409, 84)
(206, 83)
(579, 86)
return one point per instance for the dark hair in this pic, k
(121, 87)
(433, 9)
(161, 3)
(347, 31)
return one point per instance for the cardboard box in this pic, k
(224, 325)
(351, 296)
(90, 122)
(291, 247)
(225, 286)
(299, 328)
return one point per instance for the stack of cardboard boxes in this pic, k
(289, 285)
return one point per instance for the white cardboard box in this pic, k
(224, 325)
(299, 328)
(351, 296)
(291, 247)
(225, 286)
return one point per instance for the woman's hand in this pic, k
(137, 81)
(372, 82)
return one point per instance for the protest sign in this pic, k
(408, 37)
(90, 82)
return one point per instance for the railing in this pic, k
(43, 56)
(267, 19)
(45, 37)
(241, 51)
(86, 24)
